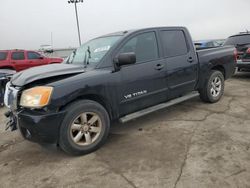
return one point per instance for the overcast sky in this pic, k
(28, 24)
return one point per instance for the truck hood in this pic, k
(38, 73)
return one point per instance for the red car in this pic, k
(19, 60)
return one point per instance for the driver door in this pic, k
(142, 84)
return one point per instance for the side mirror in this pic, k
(125, 59)
(41, 57)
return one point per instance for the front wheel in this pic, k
(213, 88)
(85, 127)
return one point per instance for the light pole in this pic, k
(77, 21)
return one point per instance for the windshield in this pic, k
(238, 40)
(93, 51)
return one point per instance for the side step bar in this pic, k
(146, 111)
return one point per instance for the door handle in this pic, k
(159, 66)
(190, 59)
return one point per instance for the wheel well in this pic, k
(221, 69)
(95, 98)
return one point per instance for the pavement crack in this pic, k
(129, 182)
(228, 107)
(211, 112)
(181, 170)
(112, 169)
(237, 173)
(195, 120)
(186, 153)
(6, 146)
(229, 104)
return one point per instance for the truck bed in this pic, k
(220, 57)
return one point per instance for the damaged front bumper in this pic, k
(12, 121)
(36, 126)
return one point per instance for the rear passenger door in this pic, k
(180, 60)
(18, 60)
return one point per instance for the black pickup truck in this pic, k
(120, 76)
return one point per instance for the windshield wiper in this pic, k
(73, 56)
(87, 57)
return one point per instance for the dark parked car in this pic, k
(205, 44)
(242, 43)
(120, 76)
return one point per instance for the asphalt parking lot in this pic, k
(192, 144)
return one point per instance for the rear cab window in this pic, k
(174, 43)
(3, 55)
(17, 56)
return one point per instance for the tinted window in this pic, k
(3, 55)
(210, 45)
(218, 43)
(17, 56)
(238, 39)
(174, 43)
(33, 55)
(143, 45)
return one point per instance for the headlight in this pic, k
(36, 97)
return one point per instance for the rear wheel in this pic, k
(213, 88)
(85, 127)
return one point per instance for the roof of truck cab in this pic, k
(240, 34)
(126, 32)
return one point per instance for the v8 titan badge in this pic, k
(132, 95)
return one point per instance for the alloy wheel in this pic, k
(216, 86)
(86, 129)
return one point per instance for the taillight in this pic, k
(248, 51)
(235, 55)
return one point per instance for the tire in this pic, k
(213, 88)
(85, 127)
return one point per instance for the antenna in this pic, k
(51, 39)
(77, 20)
